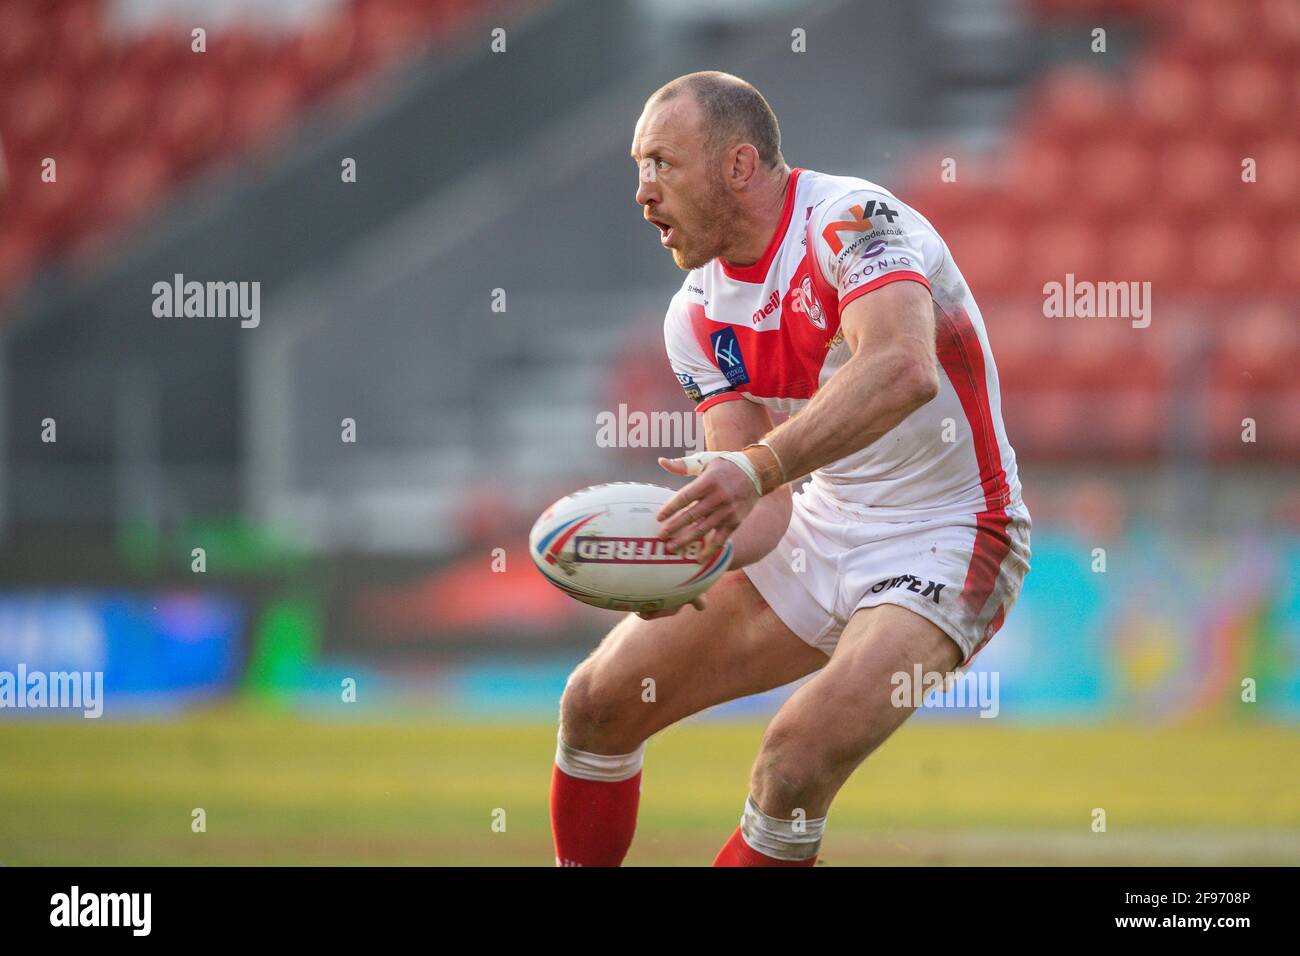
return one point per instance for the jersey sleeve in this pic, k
(697, 374)
(867, 238)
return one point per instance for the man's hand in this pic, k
(697, 603)
(708, 509)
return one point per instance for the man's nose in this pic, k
(647, 191)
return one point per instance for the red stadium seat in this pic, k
(1249, 95)
(79, 39)
(1168, 95)
(1195, 172)
(134, 183)
(325, 54)
(57, 204)
(988, 253)
(163, 54)
(1214, 28)
(239, 51)
(1280, 27)
(1023, 341)
(1275, 194)
(1076, 102)
(25, 47)
(191, 121)
(1113, 174)
(1257, 346)
(264, 106)
(1149, 249)
(38, 114)
(114, 113)
(391, 31)
(1226, 257)
(1061, 246)
(1286, 259)
(1038, 173)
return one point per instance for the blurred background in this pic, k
(361, 664)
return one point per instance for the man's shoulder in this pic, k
(691, 290)
(677, 315)
(825, 191)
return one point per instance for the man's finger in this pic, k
(692, 492)
(695, 531)
(714, 543)
(688, 515)
(675, 465)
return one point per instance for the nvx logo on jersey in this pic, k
(728, 357)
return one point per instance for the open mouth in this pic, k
(665, 231)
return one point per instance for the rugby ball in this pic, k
(601, 545)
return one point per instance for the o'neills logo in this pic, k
(597, 550)
(770, 306)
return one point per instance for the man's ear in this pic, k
(742, 164)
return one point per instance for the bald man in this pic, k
(825, 297)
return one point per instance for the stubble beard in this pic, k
(715, 213)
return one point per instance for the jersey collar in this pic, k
(758, 271)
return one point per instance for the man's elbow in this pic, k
(917, 382)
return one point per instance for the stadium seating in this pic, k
(1128, 175)
(1136, 176)
(1140, 177)
(129, 117)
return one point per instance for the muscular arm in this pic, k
(892, 373)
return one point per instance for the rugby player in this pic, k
(828, 298)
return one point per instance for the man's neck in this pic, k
(758, 226)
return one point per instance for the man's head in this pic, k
(708, 150)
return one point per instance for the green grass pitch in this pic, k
(281, 788)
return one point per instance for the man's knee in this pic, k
(597, 710)
(796, 770)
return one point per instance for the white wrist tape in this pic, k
(700, 460)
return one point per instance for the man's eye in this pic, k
(661, 163)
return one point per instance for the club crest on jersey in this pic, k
(727, 356)
(801, 299)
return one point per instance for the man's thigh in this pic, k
(834, 721)
(693, 660)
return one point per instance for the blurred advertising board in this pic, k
(121, 651)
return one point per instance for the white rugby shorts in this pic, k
(963, 574)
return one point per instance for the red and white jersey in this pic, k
(770, 333)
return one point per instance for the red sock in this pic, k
(593, 820)
(736, 852)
